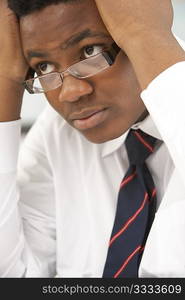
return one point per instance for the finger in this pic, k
(5, 11)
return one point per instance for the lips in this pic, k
(84, 114)
(88, 118)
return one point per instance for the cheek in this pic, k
(53, 98)
(120, 80)
(125, 92)
(127, 85)
(127, 77)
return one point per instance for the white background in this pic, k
(34, 104)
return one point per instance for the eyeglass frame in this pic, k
(109, 55)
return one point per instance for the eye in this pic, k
(45, 68)
(92, 50)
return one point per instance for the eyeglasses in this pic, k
(83, 69)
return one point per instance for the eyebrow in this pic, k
(78, 37)
(72, 41)
(34, 53)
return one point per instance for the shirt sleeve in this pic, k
(164, 99)
(27, 220)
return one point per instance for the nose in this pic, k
(73, 88)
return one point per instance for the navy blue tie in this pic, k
(135, 209)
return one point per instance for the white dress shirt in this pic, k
(57, 207)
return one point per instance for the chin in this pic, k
(101, 138)
(105, 132)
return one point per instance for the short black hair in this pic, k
(25, 7)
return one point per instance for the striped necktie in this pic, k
(135, 209)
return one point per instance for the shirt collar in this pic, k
(147, 125)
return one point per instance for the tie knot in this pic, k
(139, 146)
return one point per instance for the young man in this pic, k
(57, 208)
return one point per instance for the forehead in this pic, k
(59, 23)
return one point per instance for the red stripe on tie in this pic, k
(142, 249)
(129, 221)
(127, 180)
(143, 141)
(127, 261)
(153, 193)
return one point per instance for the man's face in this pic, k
(101, 107)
